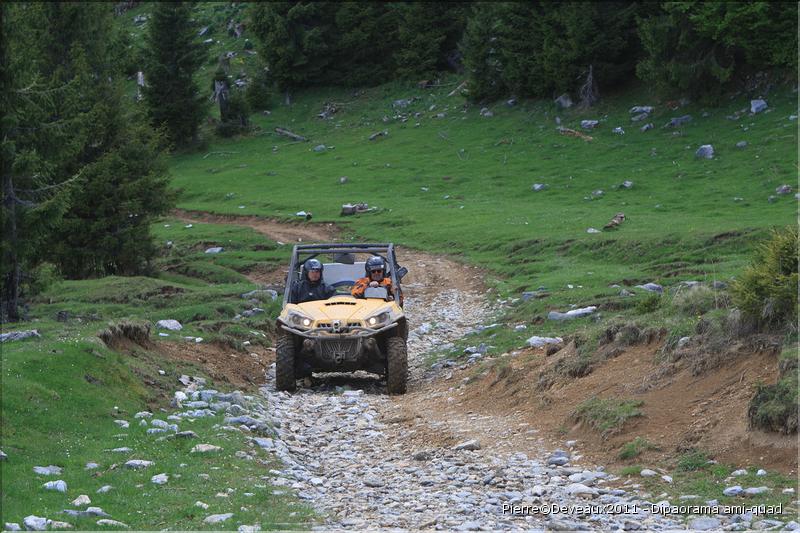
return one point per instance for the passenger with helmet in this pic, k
(311, 287)
(375, 268)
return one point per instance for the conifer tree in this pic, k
(172, 58)
(481, 52)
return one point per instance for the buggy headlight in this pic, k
(378, 320)
(299, 321)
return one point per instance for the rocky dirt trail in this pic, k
(367, 460)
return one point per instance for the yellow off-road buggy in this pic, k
(343, 333)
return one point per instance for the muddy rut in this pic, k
(367, 460)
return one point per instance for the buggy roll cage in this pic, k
(309, 251)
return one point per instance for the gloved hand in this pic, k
(373, 283)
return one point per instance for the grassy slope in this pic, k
(676, 207)
(61, 393)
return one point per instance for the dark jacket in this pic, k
(306, 291)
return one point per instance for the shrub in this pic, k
(697, 300)
(635, 448)
(607, 415)
(692, 461)
(649, 303)
(767, 290)
(775, 407)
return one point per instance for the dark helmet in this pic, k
(312, 264)
(375, 263)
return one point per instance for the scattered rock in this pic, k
(646, 127)
(757, 106)
(755, 491)
(593, 230)
(761, 472)
(217, 518)
(34, 523)
(374, 482)
(205, 448)
(18, 335)
(579, 489)
(741, 144)
(172, 325)
(575, 313)
(123, 424)
(47, 470)
(12, 526)
(201, 505)
(136, 464)
(159, 479)
(3, 456)
(468, 445)
(683, 341)
(627, 184)
(651, 287)
(741, 472)
(83, 499)
(618, 130)
(318, 148)
(589, 124)
(384, 133)
(214, 250)
(783, 189)
(486, 112)
(646, 472)
(539, 187)
(704, 523)
(666, 479)
(705, 151)
(733, 491)
(59, 485)
(111, 523)
(641, 109)
(679, 121)
(104, 489)
(538, 342)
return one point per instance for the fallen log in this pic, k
(572, 133)
(287, 133)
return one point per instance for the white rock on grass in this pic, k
(55, 524)
(579, 489)
(83, 499)
(123, 424)
(104, 489)
(12, 526)
(34, 523)
(159, 479)
(3, 456)
(172, 325)
(59, 485)
(124, 449)
(205, 448)
(741, 472)
(569, 315)
(111, 523)
(537, 342)
(201, 505)
(733, 491)
(755, 491)
(217, 518)
(761, 472)
(47, 470)
(646, 472)
(143, 414)
(138, 463)
(249, 529)
(704, 523)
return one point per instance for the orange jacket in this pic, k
(363, 283)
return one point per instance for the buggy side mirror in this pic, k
(402, 271)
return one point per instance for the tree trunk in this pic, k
(10, 296)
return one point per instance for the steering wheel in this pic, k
(343, 283)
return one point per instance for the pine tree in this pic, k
(173, 57)
(295, 41)
(481, 52)
(366, 37)
(35, 138)
(421, 37)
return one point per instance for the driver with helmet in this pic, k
(311, 287)
(375, 268)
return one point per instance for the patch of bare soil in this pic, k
(281, 231)
(245, 370)
(681, 411)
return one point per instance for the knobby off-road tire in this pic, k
(284, 363)
(396, 365)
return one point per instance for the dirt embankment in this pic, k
(505, 408)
